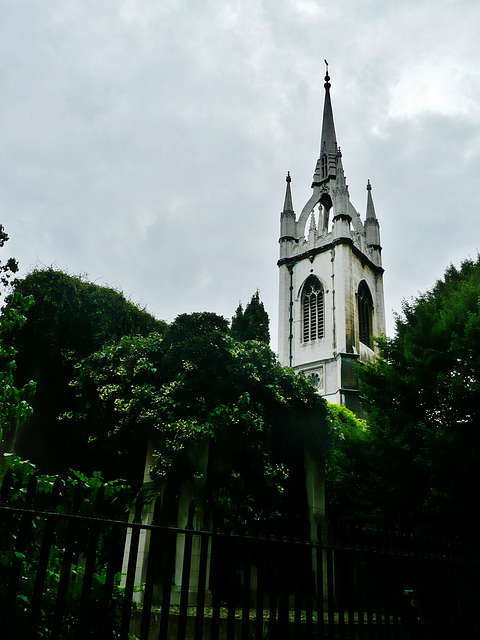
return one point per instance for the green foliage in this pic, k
(69, 319)
(10, 267)
(423, 402)
(200, 384)
(348, 490)
(251, 324)
(78, 492)
(14, 398)
(22, 534)
(74, 316)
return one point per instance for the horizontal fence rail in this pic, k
(70, 575)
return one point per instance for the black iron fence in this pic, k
(65, 575)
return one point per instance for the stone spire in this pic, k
(370, 208)
(372, 228)
(288, 205)
(328, 142)
(342, 217)
(326, 164)
(312, 232)
(287, 217)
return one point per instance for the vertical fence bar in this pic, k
(284, 557)
(298, 579)
(131, 570)
(67, 560)
(185, 586)
(349, 579)
(23, 539)
(169, 538)
(205, 546)
(246, 557)
(273, 586)
(153, 551)
(320, 567)
(371, 596)
(88, 619)
(115, 550)
(330, 586)
(231, 561)
(339, 557)
(260, 554)
(361, 568)
(43, 558)
(218, 559)
(384, 582)
(307, 551)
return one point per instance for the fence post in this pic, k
(130, 558)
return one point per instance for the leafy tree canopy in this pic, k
(69, 318)
(423, 401)
(200, 384)
(251, 324)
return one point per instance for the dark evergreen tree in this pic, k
(237, 329)
(253, 323)
(423, 401)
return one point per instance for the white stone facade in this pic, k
(344, 254)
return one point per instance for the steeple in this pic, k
(287, 218)
(372, 229)
(370, 208)
(288, 205)
(328, 142)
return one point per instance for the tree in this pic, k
(251, 324)
(423, 402)
(198, 384)
(68, 320)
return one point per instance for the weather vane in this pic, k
(326, 64)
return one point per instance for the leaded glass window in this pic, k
(365, 314)
(313, 310)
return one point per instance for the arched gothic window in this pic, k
(365, 314)
(313, 310)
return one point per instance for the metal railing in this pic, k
(66, 575)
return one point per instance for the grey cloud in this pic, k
(146, 144)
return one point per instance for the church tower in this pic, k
(331, 304)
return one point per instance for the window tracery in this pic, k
(313, 310)
(365, 314)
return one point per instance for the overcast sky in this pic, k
(145, 143)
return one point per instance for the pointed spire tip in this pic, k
(288, 205)
(327, 84)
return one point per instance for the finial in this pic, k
(327, 84)
(288, 177)
(369, 186)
